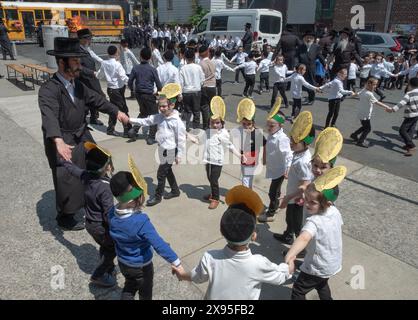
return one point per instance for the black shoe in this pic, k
(132, 132)
(354, 137)
(308, 103)
(284, 238)
(96, 122)
(153, 201)
(112, 133)
(69, 223)
(362, 144)
(107, 280)
(1, 77)
(151, 141)
(171, 195)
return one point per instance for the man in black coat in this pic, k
(88, 67)
(307, 54)
(5, 45)
(288, 46)
(247, 40)
(63, 102)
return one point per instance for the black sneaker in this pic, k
(284, 238)
(153, 201)
(96, 122)
(354, 137)
(107, 280)
(171, 195)
(151, 141)
(68, 223)
(133, 132)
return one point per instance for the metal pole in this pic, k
(151, 12)
(388, 14)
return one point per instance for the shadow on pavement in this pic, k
(386, 141)
(198, 192)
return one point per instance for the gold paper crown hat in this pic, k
(217, 108)
(274, 113)
(302, 127)
(329, 180)
(170, 90)
(328, 145)
(245, 110)
(97, 157)
(241, 194)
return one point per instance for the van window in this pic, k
(202, 26)
(219, 23)
(270, 24)
(238, 22)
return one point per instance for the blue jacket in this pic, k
(135, 236)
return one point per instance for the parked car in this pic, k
(386, 43)
(266, 24)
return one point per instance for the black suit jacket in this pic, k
(88, 67)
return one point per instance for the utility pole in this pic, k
(151, 12)
(388, 15)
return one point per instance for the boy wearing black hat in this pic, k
(234, 272)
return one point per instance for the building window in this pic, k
(326, 4)
(229, 4)
(169, 4)
(242, 4)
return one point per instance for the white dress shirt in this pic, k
(352, 70)
(214, 146)
(336, 87)
(69, 85)
(280, 72)
(114, 74)
(240, 57)
(191, 78)
(154, 34)
(219, 66)
(167, 34)
(379, 71)
(250, 67)
(92, 54)
(297, 82)
(168, 73)
(412, 72)
(264, 65)
(156, 59)
(278, 155)
(171, 133)
(128, 60)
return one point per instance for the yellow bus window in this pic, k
(99, 15)
(39, 15)
(48, 14)
(92, 15)
(115, 15)
(1, 14)
(11, 14)
(74, 13)
(108, 15)
(83, 14)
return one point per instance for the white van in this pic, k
(265, 24)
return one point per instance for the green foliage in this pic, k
(198, 15)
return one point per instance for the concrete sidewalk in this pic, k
(379, 210)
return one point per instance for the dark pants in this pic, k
(147, 107)
(378, 91)
(207, 94)
(137, 280)
(117, 97)
(219, 87)
(407, 131)
(107, 251)
(297, 106)
(279, 87)
(364, 130)
(362, 82)
(399, 82)
(165, 171)
(264, 78)
(6, 49)
(274, 194)
(294, 217)
(249, 84)
(333, 110)
(351, 83)
(191, 103)
(305, 283)
(213, 172)
(237, 74)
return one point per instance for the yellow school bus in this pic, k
(21, 18)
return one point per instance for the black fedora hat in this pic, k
(309, 33)
(347, 31)
(248, 25)
(84, 33)
(66, 47)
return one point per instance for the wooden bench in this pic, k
(15, 70)
(35, 68)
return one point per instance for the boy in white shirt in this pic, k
(219, 66)
(249, 71)
(167, 72)
(240, 57)
(156, 59)
(335, 96)
(116, 79)
(379, 72)
(264, 68)
(280, 73)
(365, 71)
(352, 75)
(128, 60)
(171, 139)
(234, 273)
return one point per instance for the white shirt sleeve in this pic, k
(200, 273)
(133, 58)
(146, 122)
(273, 273)
(310, 227)
(284, 146)
(307, 85)
(95, 56)
(181, 138)
(122, 74)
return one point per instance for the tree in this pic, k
(198, 15)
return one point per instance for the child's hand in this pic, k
(244, 159)
(178, 160)
(178, 271)
(291, 264)
(353, 94)
(388, 110)
(193, 139)
(283, 202)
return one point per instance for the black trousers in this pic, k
(378, 90)
(274, 194)
(249, 84)
(165, 171)
(351, 83)
(333, 110)
(101, 235)
(264, 79)
(213, 172)
(305, 283)
(362, 82)
(279, 87)
(6, 49)
(364, 130)
(137, 280)
(117, 97)
(219, 87)
(207, 94)
(297, 106)
(407, 131)
(237, 74)
(294, 217)
(147, 107)
(191, 103)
